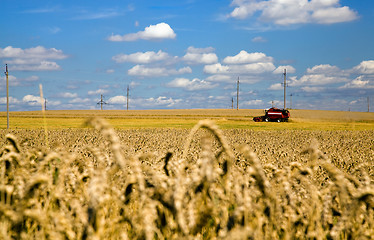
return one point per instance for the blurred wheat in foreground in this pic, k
(99, 187)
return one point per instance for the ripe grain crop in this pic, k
(204, 183)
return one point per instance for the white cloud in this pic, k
(256, 102)
(32, 59)
(191, 85)
(216, 69)
(334, 15)
(12, 100)
(160, 101)
(117, 100)
(276, 86)
(98, 91)
(253, 68)
(219, 78)
(142, 57)
(134, 84)
(68, 95)
(192, 49)
(317, 79)
(109, 71)
(42, 66)
(365, 67)
(141, 70)
(312, 89)
(287, 12)
(200, 56)
(245, 57)
(153, 32)
(280, 69)
(80, 100)
(323, 68)
(359, 82)
(33, 100)
(38, 52)
(259, 39)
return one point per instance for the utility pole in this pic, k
(237, 95)
(127, 98)
(284, 100)
(7, 96)
(368, 104)
(101, 102)
(232, 103)
(45, 104)
(291, 101)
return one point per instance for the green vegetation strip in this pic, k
(223, 123)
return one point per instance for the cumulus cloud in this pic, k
(32, 59)
(142, 57)
(80, 100)
(365, 67)
(141, 70)
(160, 101)
(98, 91)
(288, 12)
(312, 89)
(200, 56)
(245, 57)
(280, 69)
(253, 68)
(159, 31)
(14, 81)
(33, 100)
(256, 102)
(219, 78)
(323, 69)
(358, 83)
(317, 79)
(12, 100)
(322, 74)
(276, 86)
(68, 95)
(117, 100)
(191, 85)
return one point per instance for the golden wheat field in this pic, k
(199, 182)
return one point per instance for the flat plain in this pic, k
(186, 174)
(225, 118)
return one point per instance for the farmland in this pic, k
(168, 175)
(225, 118)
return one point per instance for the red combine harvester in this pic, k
(274, 115)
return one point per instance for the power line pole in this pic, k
(101, 102)
(368, 104)
(237, 95)
(7, 96)
(291, 101)
(45, 104)
(284, 100)
(232, 103)
(127, 98)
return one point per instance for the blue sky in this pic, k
(187, 53)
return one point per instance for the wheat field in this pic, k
(178, 183)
